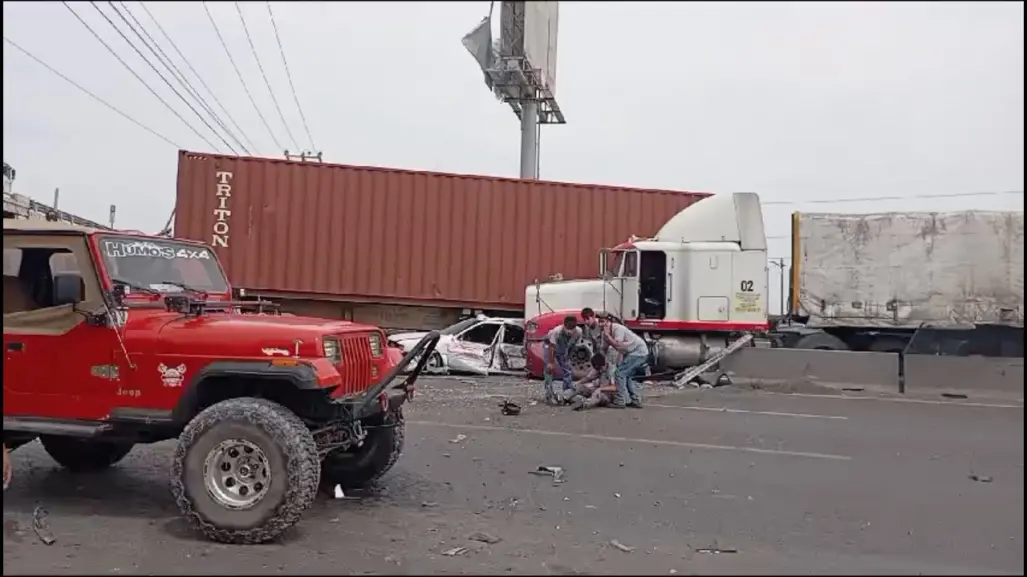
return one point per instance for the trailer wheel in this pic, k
(77, 454)
(245, 470)
(358, 467)
(821, 342)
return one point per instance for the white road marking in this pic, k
(748, 412)
(953, 403)
(607, 438)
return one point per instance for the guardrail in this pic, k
(901, 373)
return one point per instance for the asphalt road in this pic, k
(699, 482)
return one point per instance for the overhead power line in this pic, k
(140, 31)
(162, 77)
(90, 94)
(203, 83)
(136, 74)
(288, 75)
(241, 79)
(267, 83)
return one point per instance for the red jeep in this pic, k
(113, 339)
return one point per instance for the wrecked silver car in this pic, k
(480, 345)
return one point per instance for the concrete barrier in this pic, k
(871, 370)
(963, 375)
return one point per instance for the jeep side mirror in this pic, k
(68, 289)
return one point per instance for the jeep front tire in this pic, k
(80, 455)
(358, 467)
(245, 470)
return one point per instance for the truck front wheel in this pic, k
(245, 471)
(360, 466)
(77, 454)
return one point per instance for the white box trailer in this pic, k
(871, 280)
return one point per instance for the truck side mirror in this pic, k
(68, 289)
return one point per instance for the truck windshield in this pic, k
(161, 265)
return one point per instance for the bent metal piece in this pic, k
(7, 468)
(425, 347)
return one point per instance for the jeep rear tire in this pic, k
(81, 455)
(359, 467)
(245, 470)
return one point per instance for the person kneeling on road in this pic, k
(634, 355)
(595, 390)
(557, 348)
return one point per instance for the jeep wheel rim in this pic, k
(237, 474)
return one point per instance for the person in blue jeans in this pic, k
(634, 354)
(557, 347)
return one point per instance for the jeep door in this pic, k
(55, 363)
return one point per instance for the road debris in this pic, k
(483, 537)
(458, 438)
(621, 546)
(555, 472)
(509, 408)
(715, 550)
(954, 396)
(429, 504)
(41, 527)
(980, 478)
(339, 494)
(455, 551)
(617, 495)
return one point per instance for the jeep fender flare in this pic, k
(300, 375)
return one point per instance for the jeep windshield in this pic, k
(159, 265)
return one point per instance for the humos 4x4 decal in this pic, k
(122, 249)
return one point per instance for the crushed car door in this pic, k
(510, 355)
(473, 349)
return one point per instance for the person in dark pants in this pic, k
(557, 347)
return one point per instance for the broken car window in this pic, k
(513, 335)
(483, 334)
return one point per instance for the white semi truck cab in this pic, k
(688, 290)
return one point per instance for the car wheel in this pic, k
(360, 466)
(77, 454)
(245, 471)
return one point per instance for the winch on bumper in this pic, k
(378, 406)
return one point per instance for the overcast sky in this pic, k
(796, 101)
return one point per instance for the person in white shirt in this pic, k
(634, 354)
(558, 345)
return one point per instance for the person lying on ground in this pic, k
(595, 390)
(556, 349)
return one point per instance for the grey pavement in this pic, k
(812, 484)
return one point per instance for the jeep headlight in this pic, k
(375, 340)
(332, 349)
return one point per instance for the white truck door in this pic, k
(629, 285)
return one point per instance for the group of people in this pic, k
(617, 354)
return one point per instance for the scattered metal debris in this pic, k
(980, 478)
(621, 546)
(455, 551)
(41, 527)
(429, 504)
(555, 472)
(509, 408)
(954, 395)
(483, 537)
(458, 438)
(617, 495)
(715, 550)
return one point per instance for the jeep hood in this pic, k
(239, 335)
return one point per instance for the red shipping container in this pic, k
(402, 236)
